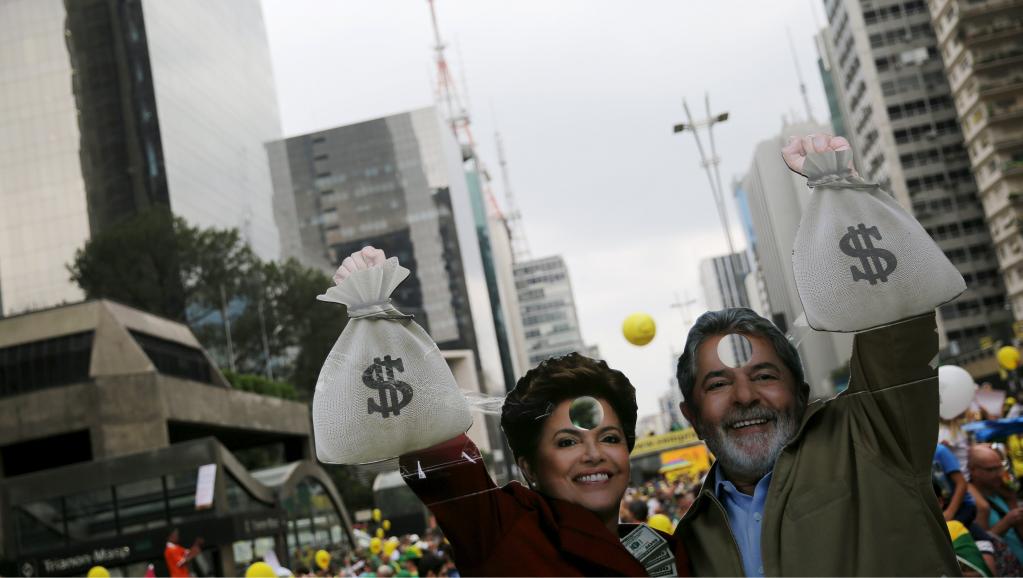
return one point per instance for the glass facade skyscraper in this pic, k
(396, 183)
(110, 107)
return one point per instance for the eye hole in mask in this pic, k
(735, 350)
(585, 413)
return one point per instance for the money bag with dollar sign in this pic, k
(859, 259)
(384, 389)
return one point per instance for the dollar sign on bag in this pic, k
(876, 263)
(380, 376)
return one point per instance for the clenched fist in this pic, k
(363, 259)
(797, 148)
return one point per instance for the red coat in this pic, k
(512, 530)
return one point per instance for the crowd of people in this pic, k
(659, 503)
(405, 555)
(979, 496)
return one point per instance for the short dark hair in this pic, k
(555, 380)
(639, 510)
(735, 320)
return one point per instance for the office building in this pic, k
(498, 265)
(774, 199)
(723, 280)
(981, 44)
(120, 429)
(903, 118)
(113, 106)
(548, 309)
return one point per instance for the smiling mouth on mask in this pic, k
(748, 423)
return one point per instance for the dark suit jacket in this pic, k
(512, 530)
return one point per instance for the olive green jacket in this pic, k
(851, 495)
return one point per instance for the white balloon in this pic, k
(956, 389)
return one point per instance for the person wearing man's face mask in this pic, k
(832, 488)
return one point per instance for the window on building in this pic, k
(90, 515)
(141, 505)
(40, 525)
(172, 358)
(45, 363)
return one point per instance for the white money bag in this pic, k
(860, 260)
(385, 389)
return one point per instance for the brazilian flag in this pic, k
(966, 549)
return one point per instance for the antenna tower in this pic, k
(513, 219)
(799, 75)
(458, 116)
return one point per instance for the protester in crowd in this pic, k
(951, 435)
(178, 557)
(960, 505)
(998, 510)
(634, 511)
(566, 522)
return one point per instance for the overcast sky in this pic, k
(584, 94)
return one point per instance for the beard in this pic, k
(751, 456)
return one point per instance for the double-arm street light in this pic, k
(715, 179)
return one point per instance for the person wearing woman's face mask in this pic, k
(571, 424)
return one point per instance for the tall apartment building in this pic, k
(113, 106)
(899, 107)
(775, 198)
(723, 280)
(981, 44)
(548, 309)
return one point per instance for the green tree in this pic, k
(136, 263)
(158, 263)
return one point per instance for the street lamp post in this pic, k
(713, 161)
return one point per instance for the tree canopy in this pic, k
(159, 263)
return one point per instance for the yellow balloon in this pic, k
(98, 572)
(639, 328)
(380, 532)
(260, 570)
(322, 559)
(660, 522)
(376, 514)
(386, 525)
(376, 545)
(389, 548)
(1008, 357)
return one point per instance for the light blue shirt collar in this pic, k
(745, 517)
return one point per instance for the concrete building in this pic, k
(775, 198)
(723, 280)
(981, 44)
(548, 309)
(113, 416)
(111, 107)
(903, 118)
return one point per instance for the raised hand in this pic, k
(795, 150)
(363, 259)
